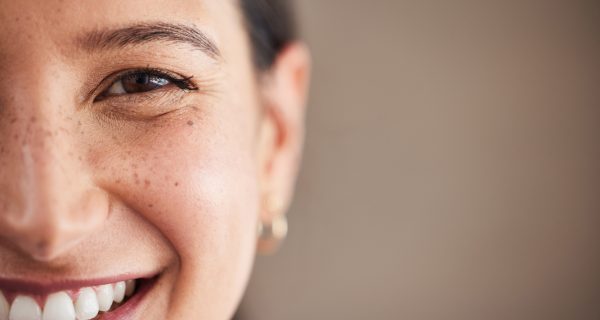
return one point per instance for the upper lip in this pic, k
(49, 286)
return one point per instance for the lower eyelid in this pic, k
(153, 96)
(148, 104)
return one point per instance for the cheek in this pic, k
(193, 178)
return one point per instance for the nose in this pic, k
(48, 199)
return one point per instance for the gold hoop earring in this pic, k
(271, 234)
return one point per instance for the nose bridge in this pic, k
(52, 204)
(45, 146)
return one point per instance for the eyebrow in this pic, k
(143, 33)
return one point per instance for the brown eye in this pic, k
(136, 83)
(145, 80)
(142, 82)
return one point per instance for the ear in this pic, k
(284, 89)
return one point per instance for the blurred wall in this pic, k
(452, 165)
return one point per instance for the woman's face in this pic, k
(136, 146)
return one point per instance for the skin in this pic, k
(93, 189)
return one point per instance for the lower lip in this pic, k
(128, 309)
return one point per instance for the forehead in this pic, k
(42, 25)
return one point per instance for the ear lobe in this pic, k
(284, 93)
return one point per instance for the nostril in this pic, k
(47, 234)
(46, 239)
(44, 249)
(41, 246)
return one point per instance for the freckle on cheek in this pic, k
(190, 123)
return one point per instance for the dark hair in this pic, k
(270, 25)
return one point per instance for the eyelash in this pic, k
(183, 83)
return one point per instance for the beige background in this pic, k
(452, 165)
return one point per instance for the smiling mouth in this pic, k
(97, 300)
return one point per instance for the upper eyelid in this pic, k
(153, 71)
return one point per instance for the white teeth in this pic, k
(25, 308)
(87, 304)
(59, 306)
(119, 291)
(4, 307)
(129, 287)
(105, 295)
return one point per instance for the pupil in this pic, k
(142, 78)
